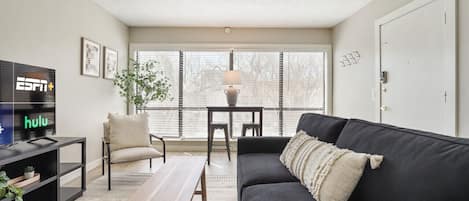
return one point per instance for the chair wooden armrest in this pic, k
(164, 144)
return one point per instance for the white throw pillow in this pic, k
(128, 131)
(328, 172)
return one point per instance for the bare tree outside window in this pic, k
(260, 87)
(165, 119)
(202, 87)
(303, 89)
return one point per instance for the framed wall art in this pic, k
(90, 57)
(110, 63)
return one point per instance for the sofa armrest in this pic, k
(261, 144)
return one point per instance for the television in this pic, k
(27, 102)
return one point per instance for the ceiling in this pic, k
(233, 13)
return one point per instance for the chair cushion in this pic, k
(128, 131)
(325, 128)
(291, 191)
(262, 168)
(134, 154)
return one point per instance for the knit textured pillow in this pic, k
(329, 173)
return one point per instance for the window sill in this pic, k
(192, 144)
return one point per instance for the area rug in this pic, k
(219, 187)
(123, 185)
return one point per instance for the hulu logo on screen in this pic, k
(35, 123)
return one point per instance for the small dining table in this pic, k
(231, 109)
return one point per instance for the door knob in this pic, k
(384, 108)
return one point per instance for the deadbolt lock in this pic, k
(384, 77)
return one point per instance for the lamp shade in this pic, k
(232, 78)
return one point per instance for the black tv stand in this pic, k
(42, 138)
(45, 158)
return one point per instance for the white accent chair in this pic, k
(113, 154)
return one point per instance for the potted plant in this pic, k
(29, 172)
(142, 83)
(9, 191)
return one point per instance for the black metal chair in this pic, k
(218, 126)
(254, 126)
(128, 154)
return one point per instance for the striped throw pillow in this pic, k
(329, 173)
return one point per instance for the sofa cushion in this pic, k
(263, 144)
(325, 128)
(291, 191)
(417, 165)
(262, 168)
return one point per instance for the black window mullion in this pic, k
(324, 84)
(181, 97)
(231, 67)
(280, 102)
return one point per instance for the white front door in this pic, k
(418, 91)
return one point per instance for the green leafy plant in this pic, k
(9, 191)
(143, 83)
(29, 169)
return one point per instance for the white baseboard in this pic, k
(77, 173)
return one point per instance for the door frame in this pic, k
(451, 55)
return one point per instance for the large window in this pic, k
(260, 87)
(303, 86)
(203, 75)
(286, 84)
(164, 117)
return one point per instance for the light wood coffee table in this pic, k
(176, 180)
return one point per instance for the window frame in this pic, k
(280, 48)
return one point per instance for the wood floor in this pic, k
(221, 174)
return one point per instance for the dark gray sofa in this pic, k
(417, 166)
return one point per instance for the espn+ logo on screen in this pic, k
(33, 84)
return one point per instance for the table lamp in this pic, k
(230, 79)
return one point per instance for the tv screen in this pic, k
(27, 102)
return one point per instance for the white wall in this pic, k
(463, 65)
(47, 33)
(353, 85)
(238, 35)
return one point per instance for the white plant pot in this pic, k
(29, 175)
